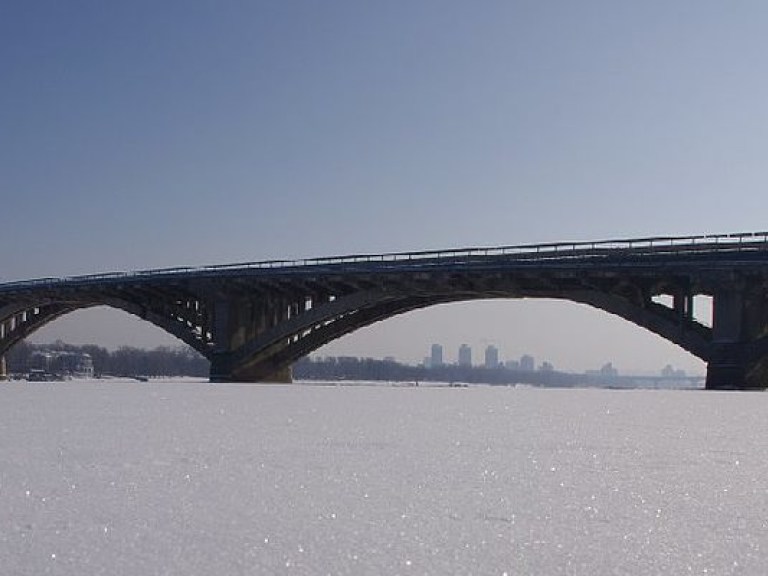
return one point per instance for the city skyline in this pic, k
(493, 358)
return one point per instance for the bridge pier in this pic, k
(727, 371)
(739, 319)
(223, 371)
(236, 322)
(733, 373)
(3, 369)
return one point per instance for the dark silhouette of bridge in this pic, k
(253, 320)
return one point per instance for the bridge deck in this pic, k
(714, 246)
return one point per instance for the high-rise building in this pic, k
(527, 363)
(465, 356)
(436, 357)
(491, 356)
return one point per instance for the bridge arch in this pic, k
(570, 333)
(278, 347)
(18, 321)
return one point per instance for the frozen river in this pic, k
(137, 479)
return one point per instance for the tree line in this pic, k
(352, 368)
(125, 361)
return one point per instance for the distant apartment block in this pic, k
(436, 356)
(527, 363)
(465, 356)
(491, 356)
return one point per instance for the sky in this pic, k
(145, 134)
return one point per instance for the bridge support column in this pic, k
(223, 370)
(3, 369)
(236, 322)
(726, 370)
(737, 320)
(683, 305)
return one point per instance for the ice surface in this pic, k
(140, 479)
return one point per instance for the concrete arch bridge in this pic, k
(253, 320)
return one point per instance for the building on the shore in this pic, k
(63, 364)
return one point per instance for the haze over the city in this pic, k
(152, 134)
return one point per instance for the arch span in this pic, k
(289, 336)
(279, 346)
(571, 335)
(19, 321)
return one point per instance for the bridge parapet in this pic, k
(659, 246)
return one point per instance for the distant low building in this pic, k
(669, 372)
(62, 364)
(606, 371)
(609, 370)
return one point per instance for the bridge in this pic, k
(253, 320)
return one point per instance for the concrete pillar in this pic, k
(3, 370)
(728, 316)
(220, 324)
(683, 305)
(223, 370)
(725, 368)
(282, 376)
(235, 323)
(730, 366)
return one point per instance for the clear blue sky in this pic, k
(146, 133)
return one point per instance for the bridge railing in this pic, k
(675, 244)
(528, 252)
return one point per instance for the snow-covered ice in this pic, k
(189, 478)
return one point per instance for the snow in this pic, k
(127, 478)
